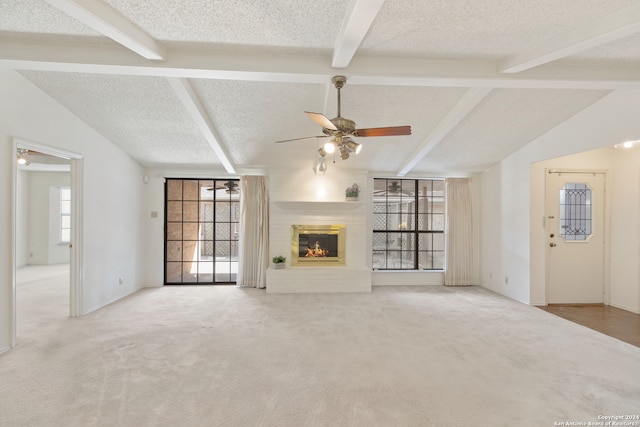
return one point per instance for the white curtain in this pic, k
(254, 232)
(459, 269)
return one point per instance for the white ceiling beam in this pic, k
(29, 55)
(592, 34)
(196, 110)
(107, 21)
(468, 102)
(357, 21)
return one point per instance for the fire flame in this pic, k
(317, 251)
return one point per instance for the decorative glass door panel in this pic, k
(575, 211)
(201, 231)
(575, 237)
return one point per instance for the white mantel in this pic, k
(319, 201)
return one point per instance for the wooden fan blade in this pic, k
(301, 139)
(322, 120)
(388, 131)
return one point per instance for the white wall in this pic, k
(7, 254)
(622, 216)
(600, 159)
(625, 230)
(297, 196)
(505, 213)
(295, 185)
(506, 193)
(38, 218)
(113, 244)
(22, 219)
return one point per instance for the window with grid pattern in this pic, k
(408, 224)
(65, 214)
(202, 224)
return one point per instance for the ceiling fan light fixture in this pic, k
(329, 147)
(341, 129)
(344, 152)
(353, 146)
(232, 187)
(321, 166)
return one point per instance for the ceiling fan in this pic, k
(230, 187)
(342, 130)
(393, 189)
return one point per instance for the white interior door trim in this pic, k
(76, 260)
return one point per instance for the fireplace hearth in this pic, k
(318, 245)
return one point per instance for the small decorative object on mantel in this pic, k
(278, 262)
(352, 192)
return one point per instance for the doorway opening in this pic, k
(202, 227)
(46, 239)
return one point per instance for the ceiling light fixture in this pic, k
(342, 129)
(344, 152)
(345, 146)
(628, 144)
(23, 157)
(352, 146)
(330, 147)
(321, 166)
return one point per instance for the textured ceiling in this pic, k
(38, 17)
(141, 115)
(505, 121)
(472, 29)
(475, 80)
(311, 25)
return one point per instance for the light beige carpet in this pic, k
(225, 356)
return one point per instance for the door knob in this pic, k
(553, 245)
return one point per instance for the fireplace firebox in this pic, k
(318, 245)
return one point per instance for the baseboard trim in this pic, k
(111, 301)
(622, 307)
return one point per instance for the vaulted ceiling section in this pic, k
(213, 84)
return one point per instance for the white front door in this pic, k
(575, 238)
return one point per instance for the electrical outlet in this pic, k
(506, 280)
(121, 281)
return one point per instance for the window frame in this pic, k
(64, 213)
(420, 237)
(211, 221)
